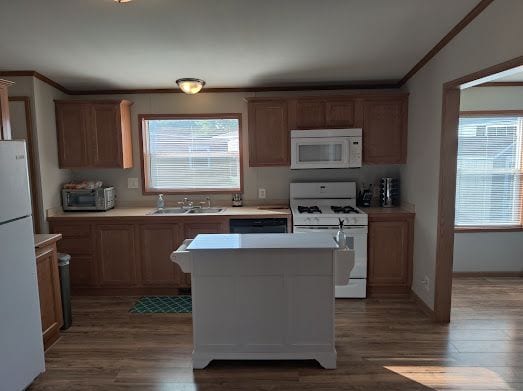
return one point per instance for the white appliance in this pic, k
(21, 345)
(326, 148)
(318, 207)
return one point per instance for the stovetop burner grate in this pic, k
(344, 209)
(309, 209)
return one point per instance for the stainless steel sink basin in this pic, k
(169, 211)
(205, 210)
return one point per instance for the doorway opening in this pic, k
(448, 180)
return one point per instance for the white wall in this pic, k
(274, 179)
(490, 251)
(493, 37)
(49, 176)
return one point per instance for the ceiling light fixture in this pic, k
(190, 85)
(122, 1)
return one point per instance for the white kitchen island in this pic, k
(261, 296)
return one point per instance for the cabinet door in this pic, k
(49, 293)
(388, 253)
(385, 131)
(268, 134)
(5, 125)
(116, 254)
(309, 114)
(193, 229)
(72, 125)
(106, 135)
(157, 242)
(339, 113)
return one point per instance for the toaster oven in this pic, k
(102, 198)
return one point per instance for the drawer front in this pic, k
(72, 230)
(80, 246)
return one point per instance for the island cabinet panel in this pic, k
(390, 254)
(385, 131)
(116, 254)
(157, 242)
(268, 133)
(49, 293)
(94, 134)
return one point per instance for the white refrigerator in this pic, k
(21, 345)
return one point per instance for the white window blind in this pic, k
(489, 171)
(192, 154)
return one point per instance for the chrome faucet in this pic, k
(186, 204)
(208, 199)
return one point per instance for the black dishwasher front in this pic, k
(258, 226)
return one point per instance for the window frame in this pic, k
(492, 228)
(147, 190)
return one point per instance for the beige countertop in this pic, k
(142, 212)
(42, 240)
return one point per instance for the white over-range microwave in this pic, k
(326, 148)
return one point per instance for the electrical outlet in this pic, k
(132, 183)
(425, 283)
(262, 193)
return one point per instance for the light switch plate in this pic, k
(132, 183)
(262, 193)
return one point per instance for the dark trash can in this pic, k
(65, 289)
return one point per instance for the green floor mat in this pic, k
(162, 304)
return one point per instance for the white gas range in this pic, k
(318, 207)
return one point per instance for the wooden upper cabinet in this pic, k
(322, 113)
(268, 133)
(5, 125)
(72, 124)
(308, 114)
(339, 113)
(385, 131)
(94, 134)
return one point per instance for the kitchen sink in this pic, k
(169, 211)
(205, 210)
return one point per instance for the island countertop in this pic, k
(262, 241)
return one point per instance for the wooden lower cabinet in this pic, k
(116, 254)
(157, 241)
(390, 254)
(128, 258)
(49, 293)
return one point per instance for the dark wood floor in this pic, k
(382, 345)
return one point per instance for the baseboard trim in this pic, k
(488, 274)
(423, 306)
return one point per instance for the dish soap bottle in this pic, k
(160, 202)
(340, 235)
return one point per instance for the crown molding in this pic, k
(478, 9)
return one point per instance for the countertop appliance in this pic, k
(21, 345)
(102, 198)
(326, 148)
(258, 226)
(318, 207)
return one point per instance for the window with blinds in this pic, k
(192, 154)
(489, 171)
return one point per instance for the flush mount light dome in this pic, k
(190, 85)
(122, 1)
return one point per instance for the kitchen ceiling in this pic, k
(100, 44)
